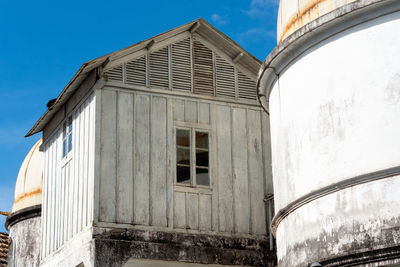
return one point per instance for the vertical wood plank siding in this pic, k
(67, 205)
(141, 204)
(137, 179)
(224, 168)
(125, 157)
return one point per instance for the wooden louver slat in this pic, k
(136, 71)
(225, 78)
(203, 69)
(247, 87)
(158, 68)
(181, 66)
(114, 74)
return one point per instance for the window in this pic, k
(67, 137)
(192, 157)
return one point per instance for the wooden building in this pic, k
(158, 154)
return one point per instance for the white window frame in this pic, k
(193, 175)
(67, 133)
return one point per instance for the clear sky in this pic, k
(43, 44)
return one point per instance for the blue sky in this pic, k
(43, 43)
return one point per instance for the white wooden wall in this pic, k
(137, 165)
(67, 206)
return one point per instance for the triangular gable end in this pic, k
(143, 65)
(186, 63)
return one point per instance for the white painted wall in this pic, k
(335, 115)
(67, 206)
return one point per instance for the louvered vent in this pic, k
(114, 74)
(247, 87)
(136, 71)
(203, 69)
(181, 66)
(225, 78)
(158, 71)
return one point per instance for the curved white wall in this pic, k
(335, 115)
(24, 246)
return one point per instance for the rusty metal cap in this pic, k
(293, 15)
(28, 187)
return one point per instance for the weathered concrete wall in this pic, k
(117, 247)
(24, 246)
(156, 263)
(335, 146)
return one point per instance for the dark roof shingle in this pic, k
(3, 249)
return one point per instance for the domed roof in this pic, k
(295, 14)
(28, 188)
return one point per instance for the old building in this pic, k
(332, 89)
(154, 155)
(24, 222)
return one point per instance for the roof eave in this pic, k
(81, 74)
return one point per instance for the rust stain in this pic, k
(28, 194)
(297, 19)
(29, 160)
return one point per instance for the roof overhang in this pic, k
(66, 93)
(200, 26)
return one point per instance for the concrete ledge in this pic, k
(24, 214)
(365, 178)
(117, 246)
(386, 257)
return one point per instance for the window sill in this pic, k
(193, 189)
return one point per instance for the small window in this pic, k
(202, 173)
(67, 137)
(192, 157)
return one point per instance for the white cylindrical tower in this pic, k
(332, 88)
(24, 222)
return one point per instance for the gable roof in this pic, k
(200, 26)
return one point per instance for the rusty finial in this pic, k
(4, 213)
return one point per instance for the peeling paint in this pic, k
(311, 10)
(346, 241)
(25, 243)
(392, 90)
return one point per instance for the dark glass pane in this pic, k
(201, 158)
(201, 140)
(69, 142)
(183, 156)
(183, 174)
(202, 177)
(64, 150)
(182, 137)
(70, 124)
(64, 130)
